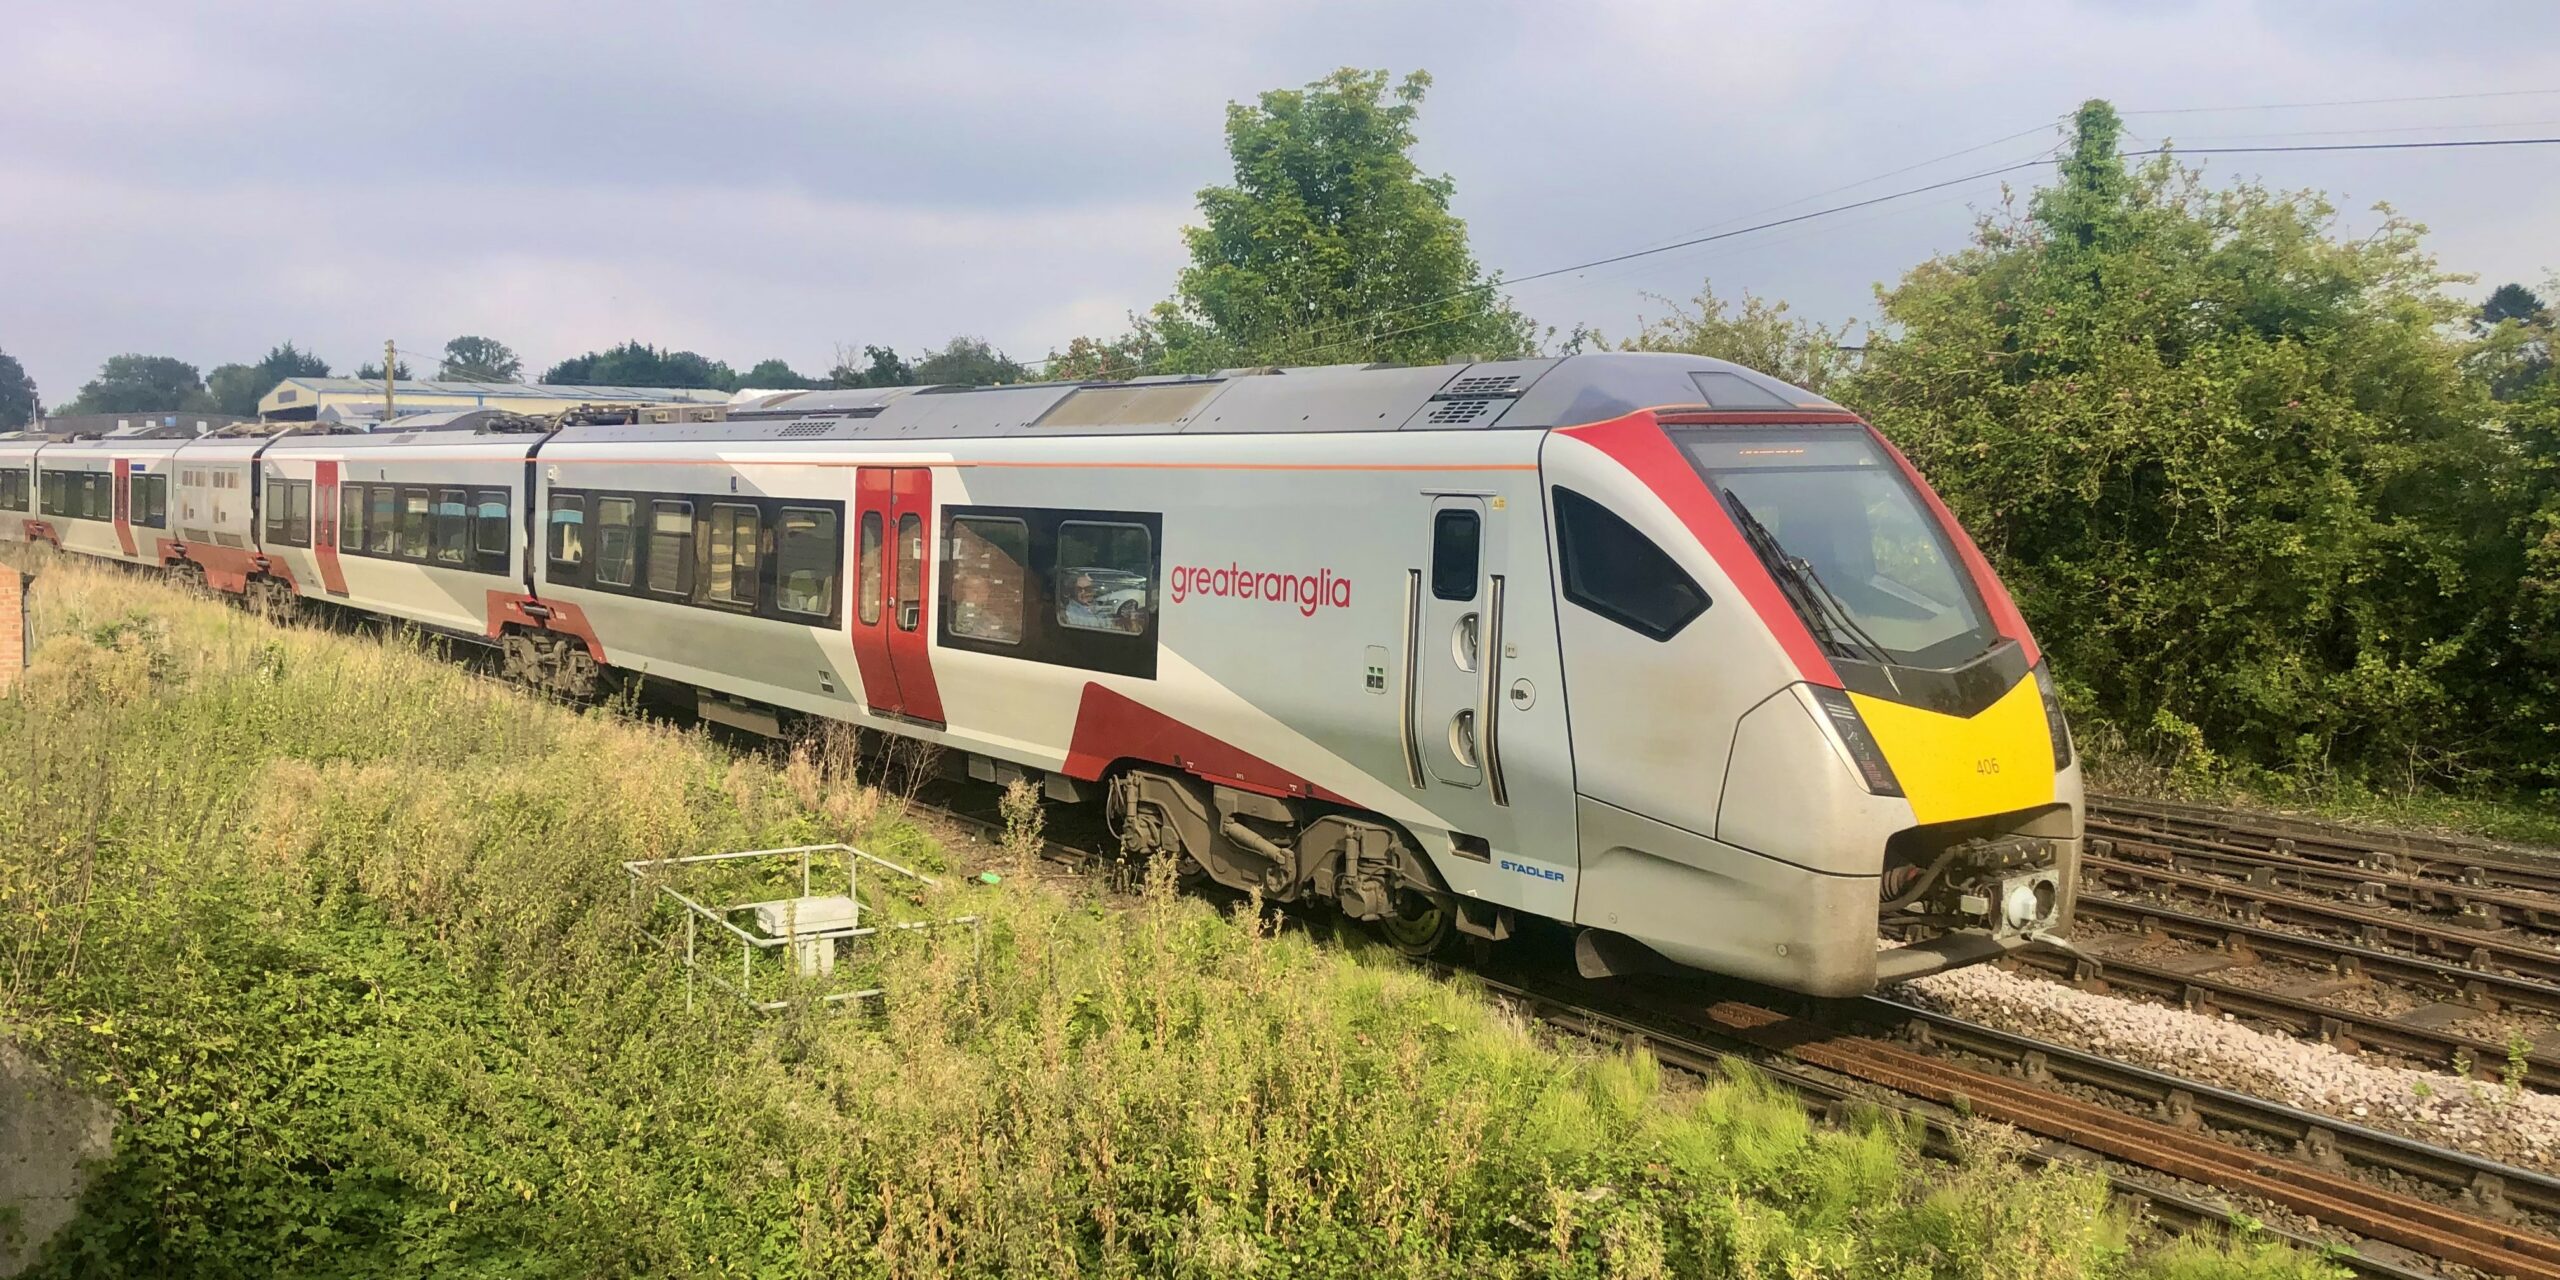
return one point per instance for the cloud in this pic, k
(771, 180)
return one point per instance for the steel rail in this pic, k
(2486, 990)
(2371, 928)
(2442, 856)
(1821, 1092)
(2349, 1031)
(2493, 907)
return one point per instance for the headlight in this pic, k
(1851, 729)
(2053, 721)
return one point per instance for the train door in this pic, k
(893, 575)
(1455, 649)
(325, 515)
(122, 496)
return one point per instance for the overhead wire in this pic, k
(1505, 282)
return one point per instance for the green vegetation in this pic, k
(341, 931)
(19, 404)
(2285, 512)
(1331, 247)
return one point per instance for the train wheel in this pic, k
(1421, 926)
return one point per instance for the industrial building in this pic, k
(356, 399)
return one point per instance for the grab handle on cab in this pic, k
(1489, 695)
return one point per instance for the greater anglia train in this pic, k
(1655, 646)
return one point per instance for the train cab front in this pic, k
(1851, 767)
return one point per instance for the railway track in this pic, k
(2329, 1171)
(2336, 993)
(2457, 859)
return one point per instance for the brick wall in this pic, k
(13, 626)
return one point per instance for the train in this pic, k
(1655, 647)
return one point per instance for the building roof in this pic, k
(301, 397)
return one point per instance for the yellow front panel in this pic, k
(1957, 767)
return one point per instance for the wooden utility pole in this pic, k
(390, 366)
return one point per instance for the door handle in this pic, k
(1489, 696)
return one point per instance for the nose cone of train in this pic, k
(1998, 760)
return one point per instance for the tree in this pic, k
(237, 388)
(373, 372)
(877, 367)
(476, 359)
(1331, 247)
(2512, 301)
(777, 375)
(968, 362)
(2230, 463)
(1761, 335)
(140, 384)
(637, 364)
(18, 403)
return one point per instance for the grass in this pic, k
(343, 935)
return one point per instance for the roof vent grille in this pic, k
(804, 430)
(1489, 385)
(1456, 411)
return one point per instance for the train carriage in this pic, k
(420, 522)
(1687, 659)
(18, 488)
(107, 497)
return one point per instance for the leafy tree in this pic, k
(777, 375)
(877, 367)
(475, 359)
(2229, 462)
(18, 403)
(138, 383)
(237, 388)
(637, 364)
(373, 372)
(1760, 335)
(2516, 349)
(966, 361)
(1331, 247)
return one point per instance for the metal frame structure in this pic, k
(700, 917)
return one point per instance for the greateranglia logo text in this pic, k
(1308, 591)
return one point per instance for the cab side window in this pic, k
(1612, 570)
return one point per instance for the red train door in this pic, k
(893, 576)
(324, 519)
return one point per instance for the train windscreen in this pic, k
(1849, 541)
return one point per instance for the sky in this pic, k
(780, 179)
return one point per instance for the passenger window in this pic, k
(805, 555)
(866, 570)
(671, 547)
(297, 513)
(568, 529)
(1456, 538)
(351, 517)
(417, 525)
(732, 559)
(489, 544)
(985, 577)
(384, 521)
(614, 545)
(453, 527)
(1106, 576)
(910, 572)
(1618, 573)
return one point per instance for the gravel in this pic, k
(2520, 1127)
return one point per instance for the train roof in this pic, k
(1533, 394)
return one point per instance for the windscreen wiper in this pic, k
(1812, 596)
